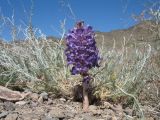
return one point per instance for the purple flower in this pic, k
(81, 51)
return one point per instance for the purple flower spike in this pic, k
(81, 51)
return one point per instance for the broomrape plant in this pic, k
(82, 54)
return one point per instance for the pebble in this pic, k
(150, 118)
(34, 96)
(128, 111)
(27, 90)
(49, 102)
(21, 103)
(56, 112)
(85, 116)
(12, 117)
(49, 118)
(40, 100)
(1, 107)
(92, 107)
(44, 95)
(4, 114)
(34, 104)
(9, 106)
(62, 99)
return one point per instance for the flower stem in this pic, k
(85, 97)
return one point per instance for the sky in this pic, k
(103, 15)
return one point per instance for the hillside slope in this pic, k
(144, 32)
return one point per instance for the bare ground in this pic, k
(46, 107)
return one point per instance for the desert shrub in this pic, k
(34, 59)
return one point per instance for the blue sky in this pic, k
(103, 15)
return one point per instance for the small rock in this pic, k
(21, 103)
(85, 116)
(44, 95)
(1, 107)
(27, 90)
(107, 117)
(34, 104)
(26, 117)
(4, 114)
(62, 99)
(9, 106)
(150, 118)
(128, 111)
(115, 118)
(56, 118)
(108, 112)
(92, 107)
(107, 104)
(76, 105)
(12, 117)
(69, 114)
(50, 101)
(99, 112)
(40, 100)
(40, 110)
(49, 118)
(10, 95)
(23, 111)
(56, 112)
(34, 96)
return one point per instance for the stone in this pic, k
(108, 112)
(34, 96)
(62, 99)
(69, 114)
(49, 102)
(107, 104)
(92, 107)
(29, 116)
(40, 110)
(56, 112)
(1, 107)
(3, 114)
(107, 117)
(34, 104)
(11, 117)
(9, 106)
(40, 100)
(99, 112)
(21, 103)
(85, 116)
(24, 111)
(10, 95)
(46, 117)
(44, 95)
(27, 90)
(128, 111)
(150, 118)
(25, 117)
